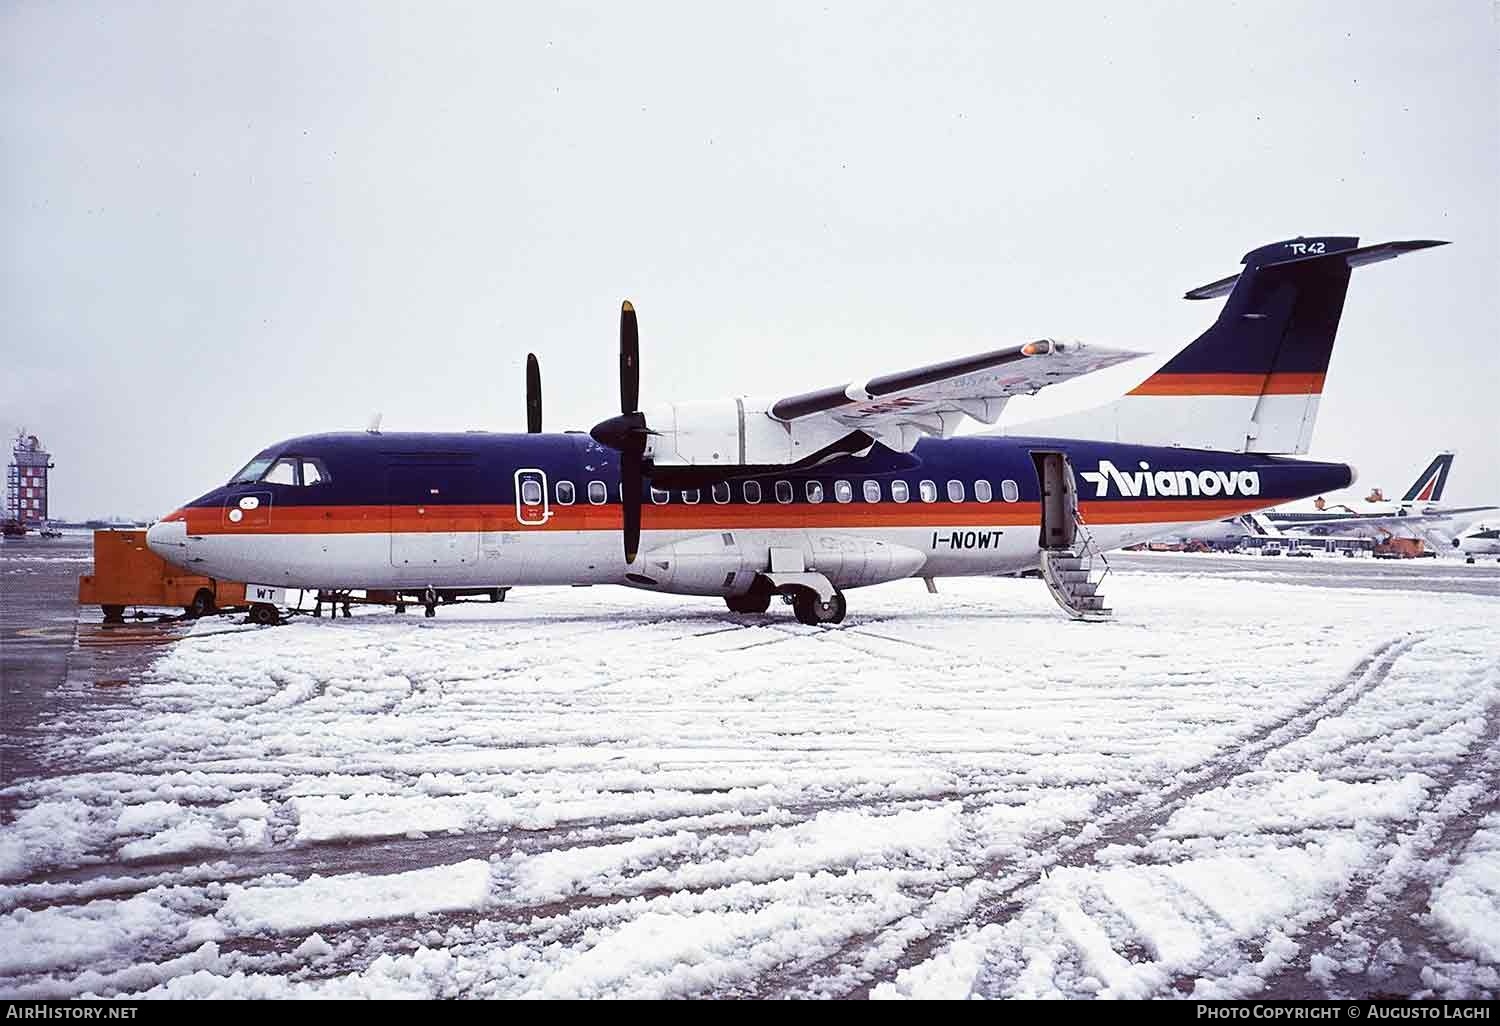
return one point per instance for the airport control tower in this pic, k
(26, 484)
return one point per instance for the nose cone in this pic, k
(168, 539)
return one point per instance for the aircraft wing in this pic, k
(898, 409)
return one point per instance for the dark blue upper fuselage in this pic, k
(366, 468)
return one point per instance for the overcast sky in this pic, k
(227, 223)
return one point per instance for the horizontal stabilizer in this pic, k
(1349, 258)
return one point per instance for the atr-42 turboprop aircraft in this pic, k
(809, 495)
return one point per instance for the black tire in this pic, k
(756, 600)
(202, 604)
(263, 614)
(497, 594)
(811, 611)
(429, 611)
(113, 614)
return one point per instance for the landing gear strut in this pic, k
(429, 602)
(813, 611)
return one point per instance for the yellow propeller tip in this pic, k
(625, 307)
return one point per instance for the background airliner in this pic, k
(1418, 514)
(809, 495)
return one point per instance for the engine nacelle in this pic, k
(857, 562)
(705, 564)
(733, 432)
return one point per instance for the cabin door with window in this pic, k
(532, 508)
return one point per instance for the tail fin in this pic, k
(1429, 485)
(1251, 382)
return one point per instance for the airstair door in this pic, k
(1059, 500)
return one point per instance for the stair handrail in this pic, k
(1090, 547)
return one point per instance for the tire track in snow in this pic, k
(1399, 892)
(1139, 816)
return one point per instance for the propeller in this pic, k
(627, 434)
(533, 395)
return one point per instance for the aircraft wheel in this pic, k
(202, 604)
(264, 614)
(811, 611)
(429, 611)
(756, 600)
(113, 614)
(1469, 560)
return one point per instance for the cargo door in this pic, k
(435, 518)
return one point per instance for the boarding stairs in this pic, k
(1074, 576)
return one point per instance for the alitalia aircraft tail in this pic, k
(1429, 485)
(1252, 381)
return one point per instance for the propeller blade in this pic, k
(533, 395)
(630, 360)
(630, 501)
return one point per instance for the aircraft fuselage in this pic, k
(366, 510)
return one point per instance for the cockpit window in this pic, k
(301, 471)
(282, 472)
(251, 471)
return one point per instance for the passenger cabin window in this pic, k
(815, 491)
(282, 472)
(1009, 492)
(872, 491)
(720, 492)
(566, 496)
(843, 491)
(752, 492)
(927, 490)
(691, 496)
(598, 494)
(659, 496)
(955, 491)
(783, 491)
(900, 491)
(531, 492)
(982, 491)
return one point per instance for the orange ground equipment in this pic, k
(127, 573)
(1401, 548)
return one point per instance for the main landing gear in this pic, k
(812, 610)
(806, 603)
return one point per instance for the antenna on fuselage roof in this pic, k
(374, 426)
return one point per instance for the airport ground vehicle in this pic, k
(128, 574)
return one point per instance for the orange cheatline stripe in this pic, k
(313, 520)
(1282, 383)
